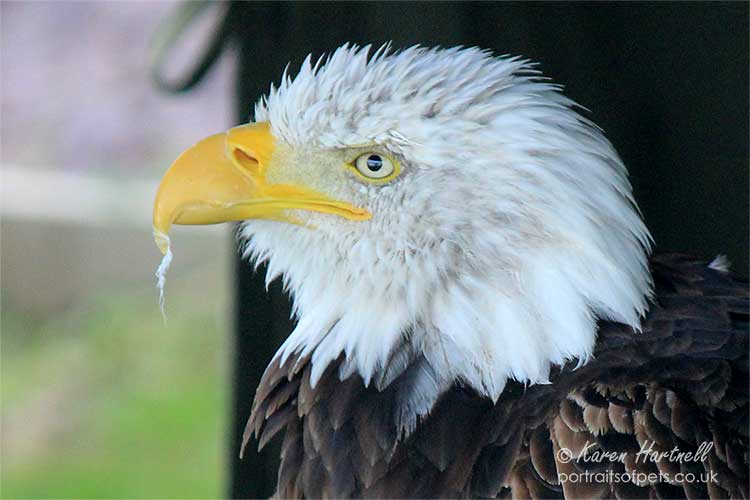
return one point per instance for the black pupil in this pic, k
(374, 162)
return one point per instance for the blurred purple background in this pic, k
(76, 92)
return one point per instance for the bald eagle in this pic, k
(478, 313)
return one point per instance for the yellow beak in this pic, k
(223, 178)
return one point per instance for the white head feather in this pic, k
(510, 231)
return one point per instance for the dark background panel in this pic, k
(668, 82)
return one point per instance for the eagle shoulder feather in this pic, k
(681, 383)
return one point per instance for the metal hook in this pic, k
(173, 29)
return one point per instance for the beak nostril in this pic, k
(245, 160)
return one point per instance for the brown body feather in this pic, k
(682, 383)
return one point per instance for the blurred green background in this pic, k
(99, 397)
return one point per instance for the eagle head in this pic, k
(440, 204)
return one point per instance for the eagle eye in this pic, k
(375, 167)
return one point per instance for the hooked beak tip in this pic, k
(162, 241)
